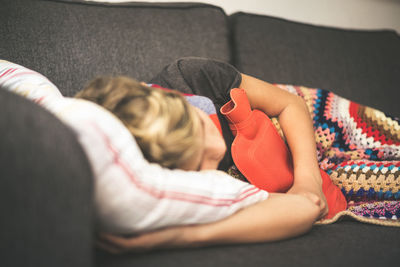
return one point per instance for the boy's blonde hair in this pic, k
(164, 125)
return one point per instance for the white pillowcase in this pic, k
(131, 194)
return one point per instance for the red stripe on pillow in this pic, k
(7, 72)
(172, 194)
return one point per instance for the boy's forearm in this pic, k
(279, 217)
(295, 121)
(297, 126)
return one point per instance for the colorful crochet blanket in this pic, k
(359, 147)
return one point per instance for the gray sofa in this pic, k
(45, 178)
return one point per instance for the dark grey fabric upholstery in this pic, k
(360, 65)
(71, 43)
(45, 179)
(45, 189)
(342, 244)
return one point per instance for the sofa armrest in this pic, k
(45, 189)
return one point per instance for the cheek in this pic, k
(214, 152)
(216, 142)
(217, 147)
(221, 146)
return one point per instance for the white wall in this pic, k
(353, 14)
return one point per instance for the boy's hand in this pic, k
(164, 238)
(313, 193)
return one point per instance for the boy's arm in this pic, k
(295, 121)
(279, 217)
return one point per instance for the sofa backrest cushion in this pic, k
(361, 65)
(72, 42)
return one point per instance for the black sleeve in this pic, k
(206, 77)
(200, 76)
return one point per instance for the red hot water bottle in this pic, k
(262, 156)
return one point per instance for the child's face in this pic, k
(213, 146)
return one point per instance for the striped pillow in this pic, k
(27, 83)
(131, 194)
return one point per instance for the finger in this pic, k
(316, 199)
(107, 247)
(323, 214)
(135, 243)
(117, 241)
(324, 205)
(324, 210)
(112, 248)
